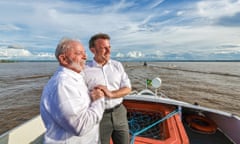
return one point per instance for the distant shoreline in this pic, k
(180, 60)
(132, 60)
(13, 61)
(7, 61)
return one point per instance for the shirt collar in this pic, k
(98, 65)
(71, 72)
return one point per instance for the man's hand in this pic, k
(107, 93)
(96, 93)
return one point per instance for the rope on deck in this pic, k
(152, 125)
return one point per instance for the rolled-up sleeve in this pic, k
(125, 81)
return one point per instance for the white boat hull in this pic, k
(30, 132)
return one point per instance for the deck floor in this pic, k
(198, 138)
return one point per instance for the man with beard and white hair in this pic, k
(70, 112)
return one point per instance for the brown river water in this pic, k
(211, 84)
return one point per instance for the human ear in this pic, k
(93, 50)
(62, 59)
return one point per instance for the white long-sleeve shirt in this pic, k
(112, 75)
(67, 111)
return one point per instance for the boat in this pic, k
(155, 119)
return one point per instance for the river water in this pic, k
(212, 84)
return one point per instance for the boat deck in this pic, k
(194, 137)
(148, 115)
(198, 138)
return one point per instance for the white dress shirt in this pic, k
(112, 75)
(67, 111)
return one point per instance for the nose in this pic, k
(107, 50)
(84, 56)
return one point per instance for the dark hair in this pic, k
(97, 36)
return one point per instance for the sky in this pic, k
(139, 29)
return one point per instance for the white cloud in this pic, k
(18, 53)
(156, 3)
(9, 27)
(219, 8)
(120, 55)
(135, 54)
(46, 55)
(13, 52)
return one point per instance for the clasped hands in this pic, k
(100, 91)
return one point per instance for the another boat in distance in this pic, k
(155, 119)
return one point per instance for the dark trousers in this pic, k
(115, 125)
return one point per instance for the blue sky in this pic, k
(139, 29)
